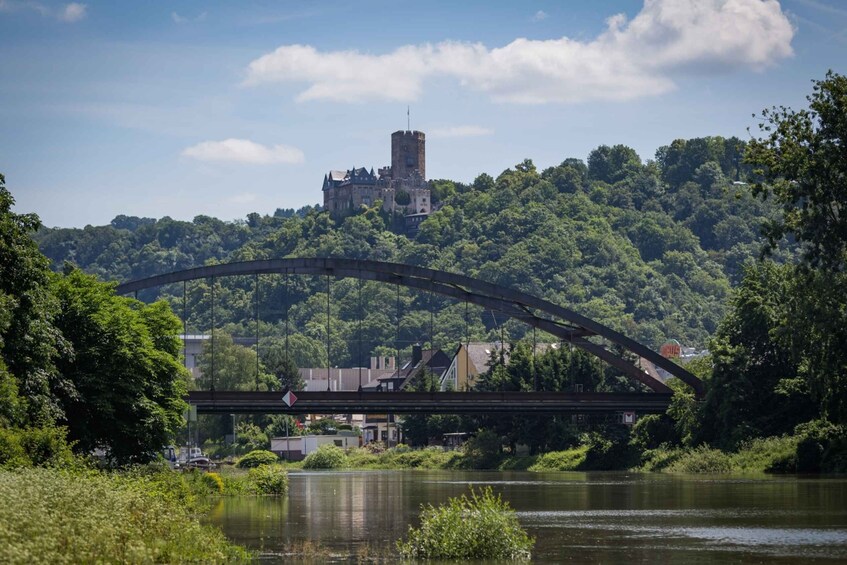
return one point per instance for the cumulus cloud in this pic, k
(243, 151)
(459, 131)
(629, 59)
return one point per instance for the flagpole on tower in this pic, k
(408, 120)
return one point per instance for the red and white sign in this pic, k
(289, 399)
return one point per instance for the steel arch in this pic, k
(573, 328)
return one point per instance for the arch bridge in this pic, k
(567, 325)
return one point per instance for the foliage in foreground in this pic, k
(50, 516)
(327, 456)
(480, 527)
(257, 458)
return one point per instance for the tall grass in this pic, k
(761, 455)
(53, 516)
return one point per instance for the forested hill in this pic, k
(651, 249)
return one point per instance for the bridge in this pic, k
(569, 326)
(319, 402)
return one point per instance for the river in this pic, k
(579, 517)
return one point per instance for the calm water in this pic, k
(580, 517)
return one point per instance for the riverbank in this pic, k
(764, 455)
(85, 516)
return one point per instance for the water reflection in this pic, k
(587, 517)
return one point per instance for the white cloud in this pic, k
(459, 131)
(243, 151)
(630, 59)
(70, 13)
(539, 15)
(73, 12)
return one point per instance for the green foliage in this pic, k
(609, 449)
(569, 460)
(402, 198)
(29, 342)
(476, 528)
(269, 479)
(652, 430)
(49, 516)
(702, 459)
(327, 456)
(483, 451)
(226, 365)
(822, 446)
(250, 438)
(128, 381)
(802, 160)
(257, 458)
(35, 447)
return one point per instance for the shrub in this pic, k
(35, 447)
(484, 450)
(269, 479)
(475, 528)
(327, 456)
(822, 447)
(257, 458)
(214, 482)
(702, 459)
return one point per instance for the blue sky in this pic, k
(224, 108)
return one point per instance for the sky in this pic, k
(224, 108)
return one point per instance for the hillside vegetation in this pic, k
(651, 249)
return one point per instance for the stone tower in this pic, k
(408, 154)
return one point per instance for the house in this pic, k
(469, 361)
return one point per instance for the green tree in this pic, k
(29, 342)
(280, 364)
(128, 380)
(803, 166)
(226, 365)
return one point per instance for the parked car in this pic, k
(202, 463)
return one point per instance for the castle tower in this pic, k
(408, 154)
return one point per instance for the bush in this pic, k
(269, 479)
(327, 456)
(822, 447)
(214, 482)
(257, 458)
(702, 459)
(35, 447)
(484, 450)
(475, 528)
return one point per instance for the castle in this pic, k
(402, 187)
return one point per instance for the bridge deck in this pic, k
(235, 402)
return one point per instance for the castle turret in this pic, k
(408, 154)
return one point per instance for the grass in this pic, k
(478, 527)
(54, 516)
(762, 455)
